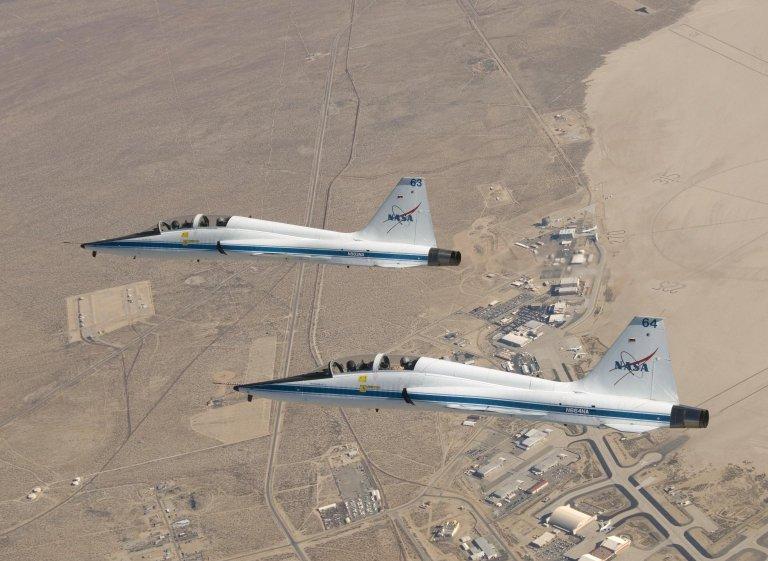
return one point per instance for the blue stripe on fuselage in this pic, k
(299, 251)
(470, 400)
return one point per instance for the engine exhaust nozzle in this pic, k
(442, 257)
(685, 417)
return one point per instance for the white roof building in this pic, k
(567, 290)
(569, 281)
(556, 318)
(558, 307)
(578, 259)
(617, 544)
(566, 233)
(533, 325)
(543, 539)
(515, 340)
(570, 520)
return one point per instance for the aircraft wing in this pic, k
(631, 427)
(494, 409)
(465, 399)
(272, 247)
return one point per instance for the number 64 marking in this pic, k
(649, 322)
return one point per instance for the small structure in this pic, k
(543, 539)
(515, 340)
(468, 423)
(578, 259)
(566, 234)
(568, 281)
(569, 519)
(445, 531)
(537, 487)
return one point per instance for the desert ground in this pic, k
(114, 116)
(679, 164)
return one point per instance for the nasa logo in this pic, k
(630, 366)
(400, 216)
(627, 362)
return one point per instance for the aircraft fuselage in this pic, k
(243, 238)
(447, 386)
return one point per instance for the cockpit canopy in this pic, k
(372, 363)
(197, 221)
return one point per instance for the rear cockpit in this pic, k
(197, 221)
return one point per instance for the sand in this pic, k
(680, 165)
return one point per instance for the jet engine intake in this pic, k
(442, 257)
(685, 417)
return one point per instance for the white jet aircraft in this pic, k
(631, 389)
(399, 235)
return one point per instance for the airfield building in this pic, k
(544, 466)
(515, 340)
(570, 520)
(537, 487)
(543, 539)
(483, 471)
(531, 438)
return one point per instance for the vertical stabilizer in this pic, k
(636, 365)
(403, 217)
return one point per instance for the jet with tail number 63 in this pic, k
(631, 389)
(400, 234)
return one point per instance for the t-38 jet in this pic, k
(631, 389)
(400, 234)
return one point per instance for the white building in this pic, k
(543, 539)
(616, 544)
(557, 308)
(531, 438)
(566, 290)
(570, 520)
(515, 340)
(533, 326)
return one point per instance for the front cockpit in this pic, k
(198, 221)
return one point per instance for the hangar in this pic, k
(570, 520)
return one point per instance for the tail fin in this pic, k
(636, 365)
(404, 217)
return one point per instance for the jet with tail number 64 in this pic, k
(631, 389)
(400, 234)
